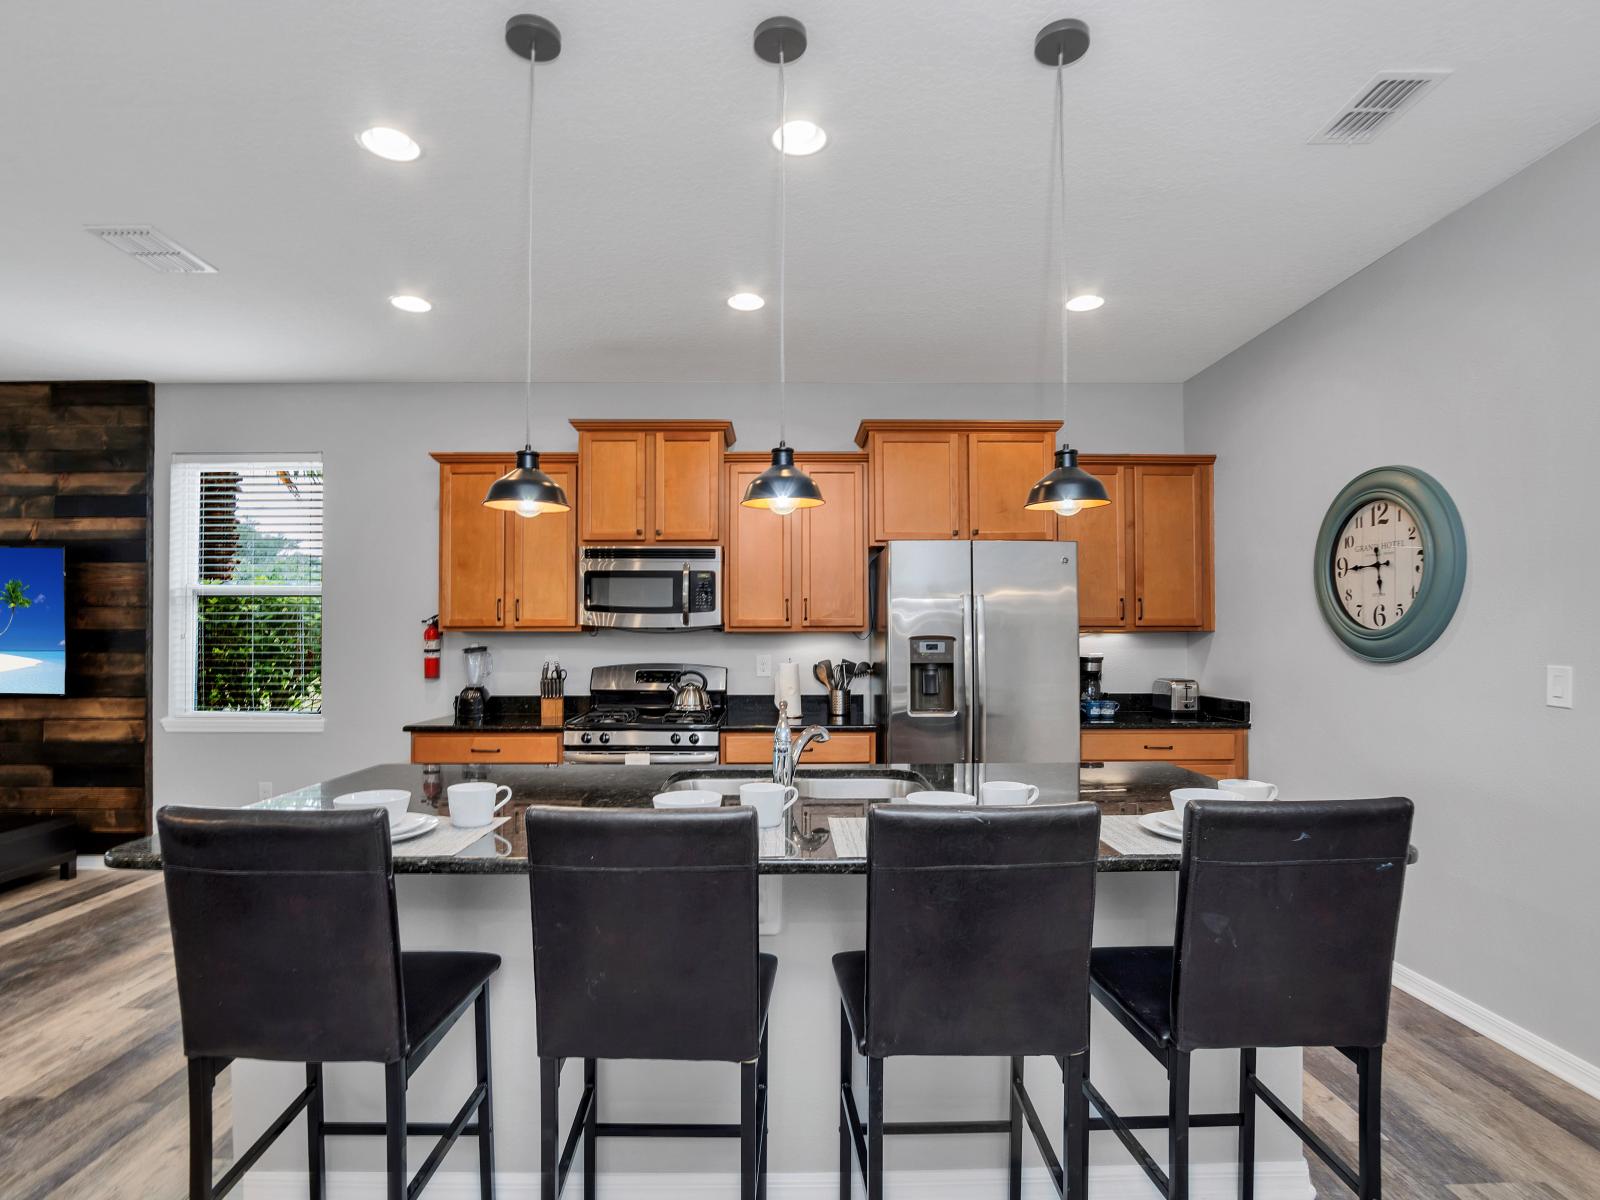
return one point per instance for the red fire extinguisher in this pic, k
(430, 647)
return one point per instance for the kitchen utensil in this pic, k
(414, 826)
(688, 799)
(1182, 796)
(823, 671)
(396, 800)
(1250, 789)
(475, 803)
(1005, 791)
(689, 697)
(770, 800)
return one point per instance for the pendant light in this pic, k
(1067, 488)
(526, 490)
(782, 487)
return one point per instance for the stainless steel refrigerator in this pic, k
(978, 650)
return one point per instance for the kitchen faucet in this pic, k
(786, 750)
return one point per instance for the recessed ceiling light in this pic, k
(389, 143)
(799, 137)
(1087, 302)
(410, 304)
(745, 301)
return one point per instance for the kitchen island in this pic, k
(813, 907)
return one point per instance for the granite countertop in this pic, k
(1138, 711)
(520, 714)
(1119, 789)
(748, 714)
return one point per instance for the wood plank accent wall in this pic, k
(76, 463)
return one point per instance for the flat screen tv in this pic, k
(33, 621)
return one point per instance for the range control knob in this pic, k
(605, 739)
(676, 738)
(587, 738)
(694, 739)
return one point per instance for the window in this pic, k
(245, 609)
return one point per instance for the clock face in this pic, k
(1377, 563)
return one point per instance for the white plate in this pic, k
(1154, 824)
(415, 825)
(1172, 820)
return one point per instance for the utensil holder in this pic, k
(552, 710)
(838, 705)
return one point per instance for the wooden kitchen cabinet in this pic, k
(655, 481)
(1220, 753)
(498, 570)
(445, 748)
(956, 480)
(1145, 560)
(748, 748)
(806, 571)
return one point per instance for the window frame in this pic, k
(184, 591)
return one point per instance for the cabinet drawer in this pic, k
(1158, 745)
(750, 748)
(485, 748)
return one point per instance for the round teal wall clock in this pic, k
(1390, 564)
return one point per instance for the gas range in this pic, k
(631, 712)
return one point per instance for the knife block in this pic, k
(552, 711)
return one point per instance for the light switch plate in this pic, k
(1558, 687)
(763, 666)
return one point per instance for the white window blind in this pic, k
(245, 612)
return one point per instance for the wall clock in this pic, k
(1391, 561)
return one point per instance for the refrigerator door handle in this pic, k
(980, 681)
(969, 689)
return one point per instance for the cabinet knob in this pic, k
(974, 532)
(658, 533)
(955, 533)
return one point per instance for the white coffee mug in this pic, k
(1005, 791)
(1182, 796)
(770, 800)
(474, 804)
(1249, 789)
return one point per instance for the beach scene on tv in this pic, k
(33, 624)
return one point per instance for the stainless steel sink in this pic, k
(841, 787)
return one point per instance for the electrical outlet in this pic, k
(1558, 687)
(764, 666)
(264, 790)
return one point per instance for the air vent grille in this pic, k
(152, 248)
(1376, 106)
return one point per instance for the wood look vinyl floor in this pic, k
(92, 1085)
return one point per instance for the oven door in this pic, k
(685, 758)
(651, 587)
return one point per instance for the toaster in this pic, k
(1177, 697)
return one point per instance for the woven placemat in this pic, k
(445, 841)
(1126, 836)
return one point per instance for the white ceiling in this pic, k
(917, 237)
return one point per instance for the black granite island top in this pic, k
(1131, 788)
(1137, 711)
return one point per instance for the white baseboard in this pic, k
(1541, 1052)
(1209, 1181)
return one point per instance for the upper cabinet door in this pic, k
(687, 485)
(612, 508)
(1103, 536)
(1172, 546)
(1001, 467)
(918, 486)
(544, 562)
(472, 547)
(758, 590)
(833, 549)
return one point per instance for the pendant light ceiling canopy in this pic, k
(782, 487)
(525, 489)
(1066, 488)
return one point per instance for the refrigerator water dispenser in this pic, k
(933, 675)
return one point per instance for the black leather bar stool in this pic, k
(644, 946)
(1285, 937)
(979, 924)
(288, 949)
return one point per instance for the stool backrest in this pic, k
(284, 934)
(1287, 915)
(644, 933)
(979, 922)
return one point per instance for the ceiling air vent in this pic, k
(153, 248)
(1376, 106)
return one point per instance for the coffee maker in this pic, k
(473, 701)
(1089, 666)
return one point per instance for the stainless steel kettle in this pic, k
(688, 697)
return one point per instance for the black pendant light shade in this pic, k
(525, 489)
(1067, 488)
(782, 487)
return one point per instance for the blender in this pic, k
(473, 701)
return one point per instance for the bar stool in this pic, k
(1285, 937)
(644, 946)
(287, 947)
(979, 924)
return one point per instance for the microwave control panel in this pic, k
(702, 591)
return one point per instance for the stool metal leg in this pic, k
(1178, 1130)
(874, 1129)
(1014, 1147)
(1247, 1125)
(316, 1142)
(480, 1020)
(394, 1113)
(549, 1127)
(847, 1064)
(749, 1144)
(591, 1129)
(763, 1099)
(200, 1129)
(1369, 1072)
(1075, 1135)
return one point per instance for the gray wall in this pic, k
(382, 540)
(1470, 352)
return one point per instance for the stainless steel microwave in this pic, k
(650, 587)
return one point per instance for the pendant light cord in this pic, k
(527, 375)
(1061, 173)
(783, 249)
